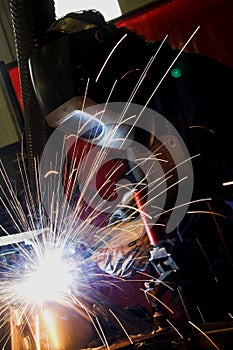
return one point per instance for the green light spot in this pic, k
(176, 73)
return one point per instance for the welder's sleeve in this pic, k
(123, 260)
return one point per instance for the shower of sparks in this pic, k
(48, 266)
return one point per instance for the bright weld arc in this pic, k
(51, 279)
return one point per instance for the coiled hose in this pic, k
(30, 20)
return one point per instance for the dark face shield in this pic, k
(66, 68)
(75, 72)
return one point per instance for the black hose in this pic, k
(30, 20)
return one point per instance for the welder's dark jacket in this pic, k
(199, 105)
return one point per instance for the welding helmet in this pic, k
(83, 55)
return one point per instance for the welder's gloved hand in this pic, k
(127, 211)
(127, 249)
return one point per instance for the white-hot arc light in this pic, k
(50, 280)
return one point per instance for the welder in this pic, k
(84, 58)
